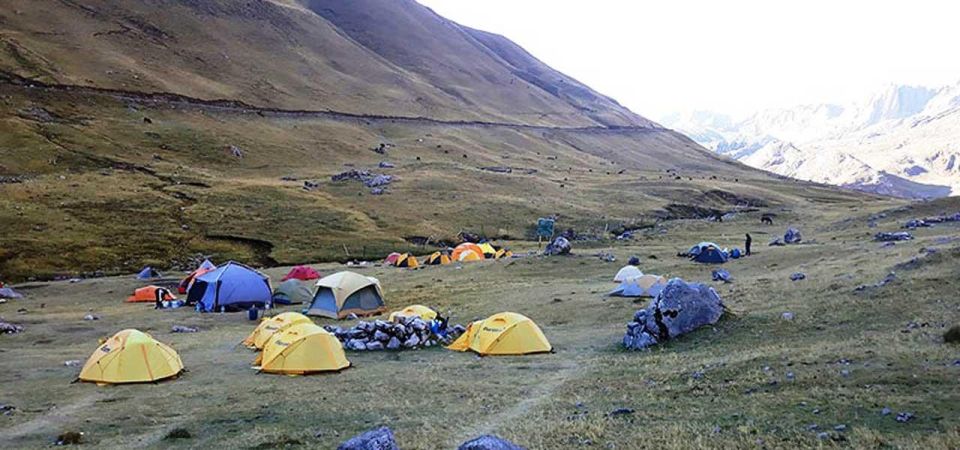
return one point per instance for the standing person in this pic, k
(748, 243)
(161, 296)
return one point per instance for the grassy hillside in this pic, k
(383, 57)
(104, 190)
(752, 380)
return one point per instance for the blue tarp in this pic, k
(231, 286)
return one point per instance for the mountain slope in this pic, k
(319, 54)
(151, 131)
(904, 141)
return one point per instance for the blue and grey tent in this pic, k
(232, 286)
(345, 293)
(644, 286)
(147, 273)
(708, 253)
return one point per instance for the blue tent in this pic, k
(148, 273)
(232, 286)
(708, 253)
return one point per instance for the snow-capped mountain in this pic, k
(903, 141)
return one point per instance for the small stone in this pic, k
(72, 363)
(788, 316)
(845, 373)
(813, 427)
(886, 411)
(621, 412)
(816, 411)
(905, 417)
(717, 430)
(823, 435)
(183, 329)
(489, 442)
(178, 433)
(840, 427)
(698, 375)
(91, 317)
(790, 376)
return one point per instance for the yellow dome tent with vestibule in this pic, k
(437, 259)
(504, 333)
(301, 349)
(131, 356)
(420, 311)
(407, 260)
(271, 325)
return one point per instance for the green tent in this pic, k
(292, 292)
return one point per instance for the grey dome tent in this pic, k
(292, 292)
(345, 293)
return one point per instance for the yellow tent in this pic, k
(131, 356)
(488, 250)
(505, 333)
(421, 311)
(301, 349)
(437, 258)
(407, 260)
(270, 325)
(469, 255)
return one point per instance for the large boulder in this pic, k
(489, 442)
(679, 309)
(378, 439)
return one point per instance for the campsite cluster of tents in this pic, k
(465, 252)
(291, 344)
(234, 286)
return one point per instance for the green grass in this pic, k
(437, 398)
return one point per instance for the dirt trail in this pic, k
(542, 391)
(236, 106)
(49, 422)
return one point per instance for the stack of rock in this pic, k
(404, 333)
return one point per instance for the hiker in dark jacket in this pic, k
(161, 294)
(747, 243)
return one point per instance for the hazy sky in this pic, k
(732, 56)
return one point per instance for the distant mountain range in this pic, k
(903, 141)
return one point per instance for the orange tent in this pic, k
(464, 247)
(147, 294)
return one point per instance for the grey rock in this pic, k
(840, 427)
(621, 412)
(91, 317)
(886, 411)
(679, 309)
(72, 363)
(378, 439)
(798, 276)
(394, 344)
(412, 342)
(823, 435)
(183, 329)
(892, 237)
(792, 236)
(788, 316)
(375, 345)
(904, 417)
(489, 442)
(381, 336)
